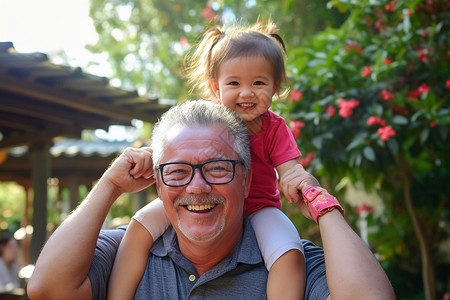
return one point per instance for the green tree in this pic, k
(147, 40)
(372, 101)
(387, 66)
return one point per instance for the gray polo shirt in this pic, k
(169, 275)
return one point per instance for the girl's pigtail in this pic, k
(200, 65)
(271, 30)
(279, 40)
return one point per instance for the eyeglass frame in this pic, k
(160, 167)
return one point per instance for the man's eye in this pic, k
(175, 171)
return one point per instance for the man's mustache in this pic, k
(191, 200)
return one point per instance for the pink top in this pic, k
(273, 146)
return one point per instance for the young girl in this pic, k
(242, 68)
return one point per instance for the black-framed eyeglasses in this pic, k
(218, 171)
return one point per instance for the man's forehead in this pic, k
(220, 132)
(212, 140)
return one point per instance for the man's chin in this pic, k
(201, 232)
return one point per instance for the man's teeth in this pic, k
(200, 207)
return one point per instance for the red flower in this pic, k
(353, 46)
(330, 110)
(366, 72)
(400, 110)
(184, 42)
(374, 120)
(409, 13)
(208, 13)
(346, 107)
(422, 54)
(305, 161)
(389, 8)
(433, 124)
(447, 84)
(296, 127)
(424, 88)
(386, 95)
(388, 61)
(295, 95)
(362, 209)
(379, 25)
(414, 94)
(386, 132)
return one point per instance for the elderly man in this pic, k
(201, 166)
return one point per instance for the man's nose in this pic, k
(198, 184)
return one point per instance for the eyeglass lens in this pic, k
(214, 172)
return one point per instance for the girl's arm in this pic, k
(147, 225)
(130, 262)
(294, 179)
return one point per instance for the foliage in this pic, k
(375, 104)
(369, 102)
(12, 206)
(146, 41)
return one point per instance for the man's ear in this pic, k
(215, 87)
(248, 182)
(157, 183)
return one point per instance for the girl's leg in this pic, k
(131, 259)
(282, 250)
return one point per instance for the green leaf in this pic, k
(424, 135)
(369, 153)
(417, 115)
(357, 141)
(317, 142)
(393, 145)
(399, 120)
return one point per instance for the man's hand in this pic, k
(132, 171)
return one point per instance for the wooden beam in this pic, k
(64, 98)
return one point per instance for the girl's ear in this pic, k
(215, 87)
(276, 88)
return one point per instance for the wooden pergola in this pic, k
(40, 102)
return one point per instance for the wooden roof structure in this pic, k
(41, 101)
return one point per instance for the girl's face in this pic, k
(245, 85)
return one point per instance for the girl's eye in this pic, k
(259, 83)
(235, 83)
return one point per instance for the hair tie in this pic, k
(279, 40)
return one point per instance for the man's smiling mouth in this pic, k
(201, 207)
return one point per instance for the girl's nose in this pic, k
(247, 92)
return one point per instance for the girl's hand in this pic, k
(294, 179)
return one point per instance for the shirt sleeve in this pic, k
(105, 252)
(281, 143)
(316, 277)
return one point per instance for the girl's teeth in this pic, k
(246, 104)
(199, 207)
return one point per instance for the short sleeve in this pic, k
(316, 279)
(105, 252)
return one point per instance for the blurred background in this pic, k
(369, 106)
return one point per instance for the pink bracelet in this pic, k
(319, 204)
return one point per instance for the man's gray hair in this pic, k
(202, 113)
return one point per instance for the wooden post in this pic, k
(40, 172)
